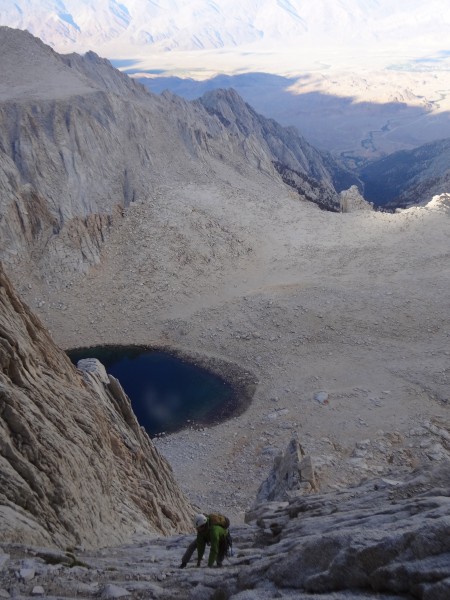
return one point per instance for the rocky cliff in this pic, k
(75, 466)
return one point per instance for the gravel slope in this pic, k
(355, 305)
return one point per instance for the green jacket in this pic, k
(212, 534)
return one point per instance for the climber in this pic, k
(212, 530)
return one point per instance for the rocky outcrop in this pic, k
(351, 200)
(292, 473)
(75, 466)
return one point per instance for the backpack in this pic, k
(218, 519)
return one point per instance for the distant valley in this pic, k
(387, 178)
(401, 179)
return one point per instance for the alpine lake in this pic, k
(169, 392)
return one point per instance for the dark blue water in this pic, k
(166, 393)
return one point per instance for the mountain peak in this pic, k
(32, 69)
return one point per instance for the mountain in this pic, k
(80, 142)
(383, 539)
(408, 177)
(203, 24)
(134, 219)
(358, 78)
(354, 114)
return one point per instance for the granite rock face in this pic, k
(386, 536)
(75, 466)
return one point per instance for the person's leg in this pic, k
(222, 551)
(189, 552)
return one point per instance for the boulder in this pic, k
(292, 473)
